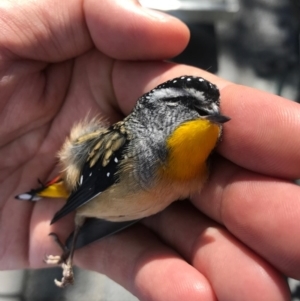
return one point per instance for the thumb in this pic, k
(55, 30)
(125, 30)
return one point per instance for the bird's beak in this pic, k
(220, 119)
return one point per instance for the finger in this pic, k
(14, 235)
(133, 79)
(260, 135)
(146, 267)
(53, 30)
(228, 265)
(135, 258)
(261, 211)
(140, 33)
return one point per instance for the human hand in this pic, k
(194, 256)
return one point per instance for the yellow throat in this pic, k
(189, 147)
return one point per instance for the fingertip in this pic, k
(150, 270)
(259, 135)
(115, 26)
(183, 282)
(231, 268)
(133, 79)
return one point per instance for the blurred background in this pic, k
(250, 42)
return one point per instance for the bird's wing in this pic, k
(98, 173)
(95, 229)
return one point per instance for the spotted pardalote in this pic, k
(116, 175)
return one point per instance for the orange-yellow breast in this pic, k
(189, 147)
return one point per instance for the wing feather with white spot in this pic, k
(100, 170)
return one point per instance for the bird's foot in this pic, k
(68, 276)
(63, 260)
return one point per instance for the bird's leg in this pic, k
(57, 259)
(66, 259)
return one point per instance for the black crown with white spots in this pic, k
(193, 82)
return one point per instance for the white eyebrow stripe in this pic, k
(196, 93)
(177, 92)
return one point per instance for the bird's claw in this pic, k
(58, 242)
(63, 260)
(68, 276)
(54, 259)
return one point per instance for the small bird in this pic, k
(113, 176)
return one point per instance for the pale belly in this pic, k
(118, 203)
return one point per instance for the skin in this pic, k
(61, 60)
